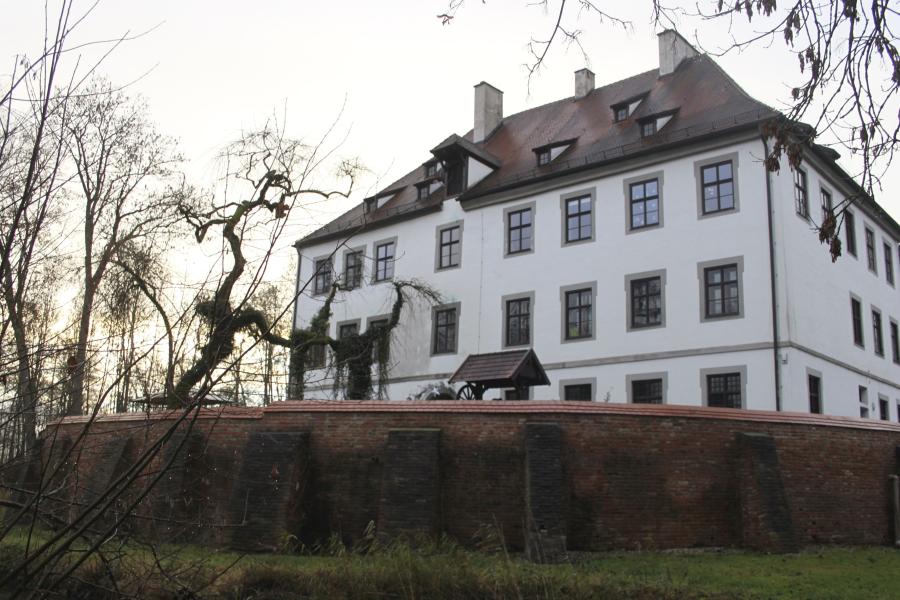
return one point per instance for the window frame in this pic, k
(340, 325)
(627, 184)
(648, 127)
(373, 321)
(871, 250)
(439, 245)
(504, 309)
(360, 253)
(435, 311)
(864, 408)
(705, 374)
(817, 375)
(894, 328)
(507, 212)
(591, 288)
(850, 233)
(717, 161)
(702, 268)
(591, 194)
(319, 364)
(801, 194)
(564, 383)
(856, 321)
(544, 156)
(630, 279)
(827, 206)
(376, 260)
(630, 380)
(877, 332)
(888, 262)
(326, 259)
(884, 408)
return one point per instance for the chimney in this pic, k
(488, 110)
(672, 50)
(584, 83)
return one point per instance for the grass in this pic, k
(444, 571)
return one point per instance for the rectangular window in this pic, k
(724, 390)
(850, 230)
(870, 250)
(431, 169)
(543, 157)
(888, 264)
(877, 338)
(718, 187)
(620, 113)
(347, 330)
(578, 391)
(647, 391)
(801, 197)
(322, 282)
(444, 331)
(884, 411)
(721, 291)
(856, 313)
(579, 314)
(423, 191)
(353, 266)
(315, 356)
(895, 343)
(382, 346)
(578, 219)
(519, 225)
(449, 247)
(644, 198)
(646, 302)
(815, 394)
(518, 322)
(863, 403)
(384, 261)
(648, 128)
(827, 204)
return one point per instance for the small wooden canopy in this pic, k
(514, 369)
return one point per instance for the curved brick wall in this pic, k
(551, 475)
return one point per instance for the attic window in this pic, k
(648, 128)
(543, 157)
(623, 110)
(621, 113)
(423, 191)
(431, 169)
(654, 123)
(548, 152)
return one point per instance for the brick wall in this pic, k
(608, 476)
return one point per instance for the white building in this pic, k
(631, 235)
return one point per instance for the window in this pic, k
(423, 191)
(646, 302)
(382, 347)
(647, 391)
(722, 296)
(384, 261)
(856, 314)
(444, 338)
(644, 200)
(895, 343)
(884, 410)
(346, 330)
(827, 204)
(579, 314)
(579, 220)
(577, 391)
(717, 181)
(850, 230)
(322, 281)
(888, 264)
(801, 197)
(519, 231)
(648, 128)
(877, 339)
(449, 247)
(518, 322)
(315, 356)
(620, 113)
(870, 250)
(431, 169)
(456, 177)
(863, 403)
(723, 390)
(353, 266)
(815, 394)
(543, 157)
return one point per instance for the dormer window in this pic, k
(625, 109)
(431, 169)
(423, 191)
(543, 157)
(621, 113)
(648, 128)
(652, 124)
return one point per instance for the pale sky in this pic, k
(210, 69)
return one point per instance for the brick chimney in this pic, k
(584, 82)
(488, 110)
(672, 50)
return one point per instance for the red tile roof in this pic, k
(501, 369)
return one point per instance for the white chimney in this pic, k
(584, 82)
(488, 110)
(672, 50)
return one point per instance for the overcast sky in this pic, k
(211, 69)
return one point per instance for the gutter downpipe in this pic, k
(775, 357)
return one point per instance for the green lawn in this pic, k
(449, 572)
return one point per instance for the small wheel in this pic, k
(466, 392)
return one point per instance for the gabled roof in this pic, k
(708, 101)
(502, 369)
